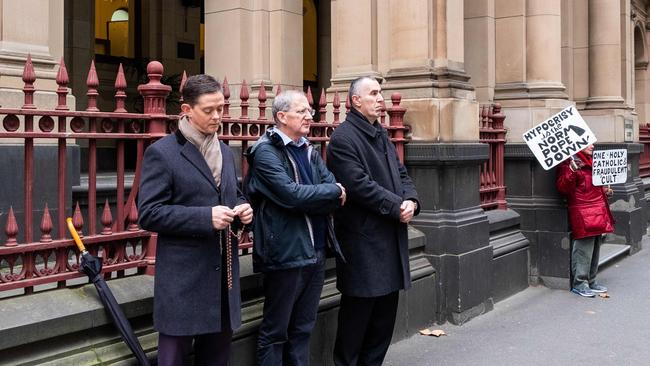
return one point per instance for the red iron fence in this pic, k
(644, 159)
(50, 258)
(492, 190)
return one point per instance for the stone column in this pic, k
(609, 108)
(479, 47)
(529, 86)
(422, 57)
(605, 87)
(354, 41)
(33, 27)
(30, 27)
(79, 44)
(543, 49)
(641, 82)
(254, 41)
(416, 48)
(529, 62)
(510, 46)
(575, 50)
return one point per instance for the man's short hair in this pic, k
(197, 85)
(283, 101)
(355, 85)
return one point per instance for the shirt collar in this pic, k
(287, 140)
(362, 123)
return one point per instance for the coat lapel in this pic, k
(193, 155)
(226, 175)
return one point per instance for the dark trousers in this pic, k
(365, 329)
(290, 309)
(212, 349)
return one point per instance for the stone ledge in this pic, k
(418, 153)
(500, 219)
(70, 327)
(32, 318)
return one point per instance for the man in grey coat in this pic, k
(190, 197)
(371, 228)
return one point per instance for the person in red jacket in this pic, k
(589, 216)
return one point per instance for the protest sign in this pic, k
(560, 136)
(609, 167)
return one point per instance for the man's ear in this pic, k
(282, 116)
(185, 108)
(355, 101)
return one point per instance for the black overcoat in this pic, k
(373, 240)
(175, 200)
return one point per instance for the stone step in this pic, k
(612, 252)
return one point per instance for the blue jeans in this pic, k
(290, 309)
(584, 261)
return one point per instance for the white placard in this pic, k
(609, 167)
(560, 136)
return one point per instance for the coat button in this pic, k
(216, 268)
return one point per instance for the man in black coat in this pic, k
(371, 228)
(189, 196)
(293, 194)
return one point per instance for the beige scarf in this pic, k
(208, 146)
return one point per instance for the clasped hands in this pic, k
(222, 216)
(406, 211)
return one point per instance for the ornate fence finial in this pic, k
(243, 96)
(78, 220)
(484, 116)
(106, 219)
(261, 97)
(133, 218)
(155, 98)
(120, 87)
(62, 91)
(322, 104)
(226, 97)
(11, 228)
(382, 112)
(46, 226)
(497, 116)
(336, 103)
(347, 104)
(396, 119)
(29, 77)
(92, 82)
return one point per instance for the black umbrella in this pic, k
(92, 267)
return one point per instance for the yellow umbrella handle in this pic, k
(75, 236)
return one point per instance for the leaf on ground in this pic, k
(604, 296)
(435, 332)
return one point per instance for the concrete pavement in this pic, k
(540, 326)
